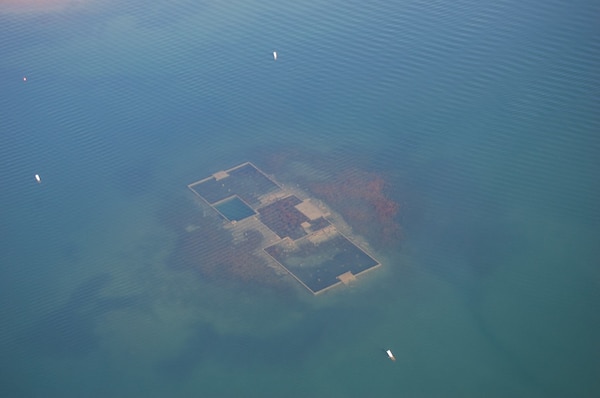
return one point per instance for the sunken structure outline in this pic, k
(300, 234)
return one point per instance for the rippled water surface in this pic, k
(459, 140)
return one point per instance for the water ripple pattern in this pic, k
(480, 116)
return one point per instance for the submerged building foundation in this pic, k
(298, 232)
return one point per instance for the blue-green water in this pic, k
(234, 209)
(481, 116)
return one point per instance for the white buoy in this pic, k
(37, 178)
(275, 55)
(390, 355)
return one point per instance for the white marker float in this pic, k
(390, 355)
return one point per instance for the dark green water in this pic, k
(482, 118)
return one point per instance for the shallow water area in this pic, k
(455, 143)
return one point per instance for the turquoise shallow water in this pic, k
(480, 116)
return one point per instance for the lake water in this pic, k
(480, 116)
